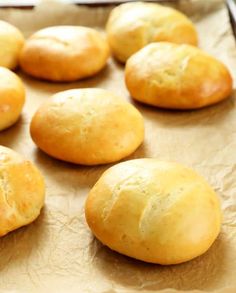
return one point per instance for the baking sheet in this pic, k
(57, 253)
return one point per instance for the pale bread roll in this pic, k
(158, 212)
(174, 76)
(87, 126)
(11, 43)
(22, 191)
(64, 53)
(12, 98)
(131, 26)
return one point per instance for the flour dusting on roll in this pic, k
(132, 26)
(175, 76)
(154, 211)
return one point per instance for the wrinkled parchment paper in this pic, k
(57, 253)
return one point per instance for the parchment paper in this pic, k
(57, 253)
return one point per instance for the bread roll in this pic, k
(12, 97)
(158, 212)
(174, 76)
(64, 53)
(21, 191)
(132, 26)
(11, 43)
(87, 126)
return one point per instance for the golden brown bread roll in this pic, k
(176, 77)
(132, 26)
(11, 43)
(22, 191)
(64, 53)
(158, 212)
(12, 97)
(87, 126)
